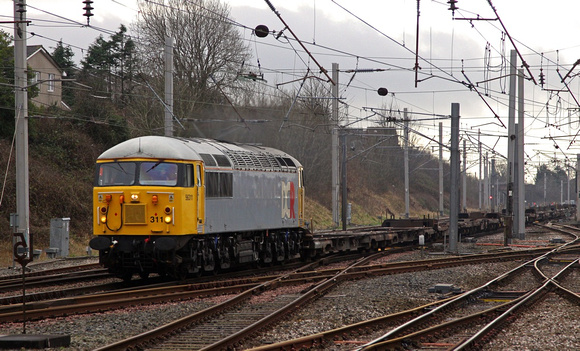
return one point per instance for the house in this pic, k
(48, 76)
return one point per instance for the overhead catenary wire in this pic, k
(356, 87)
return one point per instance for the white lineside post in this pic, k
(454, 189)
(334, 145)
(21, 120)
(406, 161)
(168, 86)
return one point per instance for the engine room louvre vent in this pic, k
(222, 160)
(208, 160)
(289, 162)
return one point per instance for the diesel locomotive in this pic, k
(177, 206)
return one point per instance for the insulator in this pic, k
(87, 9)
(20, 7)
(542, 78)
(452, 6)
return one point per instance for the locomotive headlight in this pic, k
(167, 210)
(103, 219)
(154, 199)
(167, 219)
(135, 197)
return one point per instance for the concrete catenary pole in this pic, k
(480, 178)
(520, 188)
(464, 177)
(454, 189)
(494, 193)
(334, 151)
(406, 161)
(577, 197)
(486, 192)
(169, 86)
(545, 182)
(21, 121)
(344, 180)
(508, 233)
(568, 179)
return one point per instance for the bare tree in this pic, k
(208, 50)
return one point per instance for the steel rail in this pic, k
(410, 324)
(530, 299)
(160, 294)
(158, 333)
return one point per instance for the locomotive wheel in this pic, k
(181, 272)
(144, 275)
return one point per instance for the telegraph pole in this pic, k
(21, 121)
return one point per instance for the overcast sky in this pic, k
(381, 35)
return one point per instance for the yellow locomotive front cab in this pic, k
(148, 197)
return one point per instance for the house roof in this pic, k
(32, 50)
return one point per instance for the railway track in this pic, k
(270, 310)
(307, 279)
(463, 322)
(167, 292)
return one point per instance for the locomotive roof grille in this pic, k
(250, 160)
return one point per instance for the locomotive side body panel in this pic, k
(260, 200)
